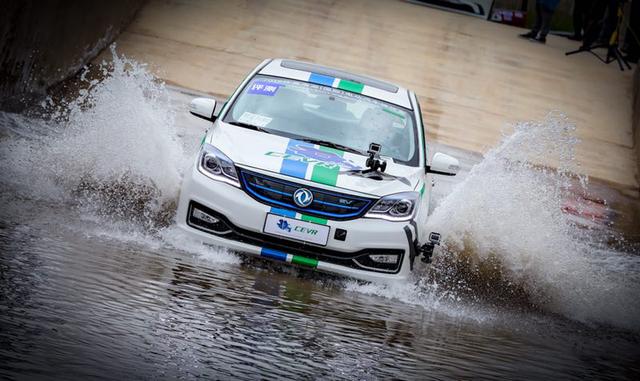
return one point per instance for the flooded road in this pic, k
(96, 282)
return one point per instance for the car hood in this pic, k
(319, 164)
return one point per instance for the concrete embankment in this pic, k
(636, 114)
(472, 76)
(44, 42)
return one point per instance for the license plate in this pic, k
(296, 229)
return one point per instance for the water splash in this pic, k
(113, 148)
(505, 233)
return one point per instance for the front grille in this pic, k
(357, 260)
(326, 204)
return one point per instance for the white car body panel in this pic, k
(246, 213)
(263, 155)
(266, 152)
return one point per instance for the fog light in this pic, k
(202, 216)
(384, 258)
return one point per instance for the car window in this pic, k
(301, 109)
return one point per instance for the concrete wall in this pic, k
(636, 116)
(43, 42)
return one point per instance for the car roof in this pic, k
(323, 75)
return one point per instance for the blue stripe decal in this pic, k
(283, 212)
(321, 79)
(273, 254)
(295, 168)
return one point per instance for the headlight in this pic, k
(395, 207)
(216, 165)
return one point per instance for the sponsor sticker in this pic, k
(264, 88)
(254, 119)
(398, 125)
(318, 157)
(296, 229)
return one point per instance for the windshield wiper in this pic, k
(250, 126)
(331, 145)
(325, 143)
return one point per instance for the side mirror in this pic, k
(203, 108)
(443, 165)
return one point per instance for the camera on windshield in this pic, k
(374, 162)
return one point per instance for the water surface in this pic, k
(96, 282)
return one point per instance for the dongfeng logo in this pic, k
(303, 197)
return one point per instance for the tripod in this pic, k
(613, 52)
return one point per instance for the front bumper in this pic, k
(245, 217)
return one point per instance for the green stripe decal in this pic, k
(304, 261)
(350, 86)
(326, 174)
(315, 220)
(422, 189)
(394, 113)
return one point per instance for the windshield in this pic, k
(326, 115)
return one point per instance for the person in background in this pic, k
(580, 10)
(544, 14)
(632, 37)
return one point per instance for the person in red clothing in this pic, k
(544, 14)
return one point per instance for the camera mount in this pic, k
(374, 163)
